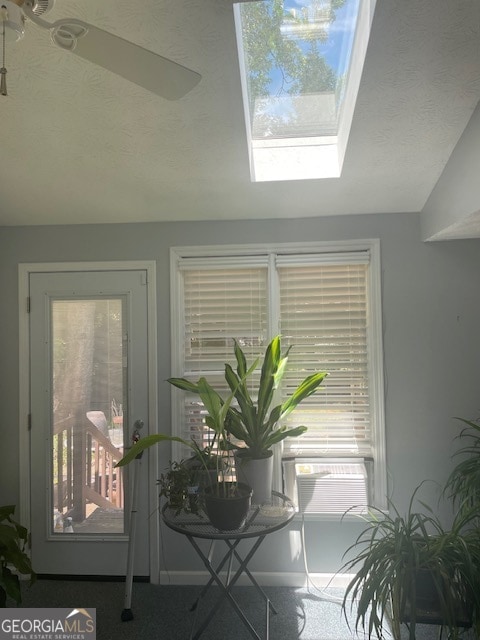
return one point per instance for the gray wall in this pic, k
(431, 308)
(453, 208)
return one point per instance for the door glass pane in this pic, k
(88, 403)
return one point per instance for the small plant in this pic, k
(13, 557)
(182, 483)
(177, 485)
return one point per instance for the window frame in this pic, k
(245, 253)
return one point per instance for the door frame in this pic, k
(24, 272)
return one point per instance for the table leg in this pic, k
(267, 618)
(252, 579)
(226, 588)
(218, 569)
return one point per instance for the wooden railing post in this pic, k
(85, 468)
(79, 470)
(105, 488)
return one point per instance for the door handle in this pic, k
(137, 426)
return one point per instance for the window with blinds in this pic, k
(325, 303)
(323, 315)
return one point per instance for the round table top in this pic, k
(261, 520)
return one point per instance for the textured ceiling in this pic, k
(79, 144)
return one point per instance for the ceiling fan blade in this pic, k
(149, 70)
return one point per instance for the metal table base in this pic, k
(261, 521)
(227, 586)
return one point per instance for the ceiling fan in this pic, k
(149, 70)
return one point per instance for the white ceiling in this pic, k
(79, 144)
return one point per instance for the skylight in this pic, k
(300, 62)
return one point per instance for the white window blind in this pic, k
(220, 304)
(324, 315)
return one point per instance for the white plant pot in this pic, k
(258, 474)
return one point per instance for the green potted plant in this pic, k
(177, 486)
(14, 559)
(183, 479)
(409, 569)
(183, 482)
(226, 502)
(223, 497)
(256, 422)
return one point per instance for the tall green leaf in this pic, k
(267, 378)
(304, 390)
(184, 384)
(241, 360)
(149, 441)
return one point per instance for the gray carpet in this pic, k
(163, 612)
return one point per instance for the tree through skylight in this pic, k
(295, 61)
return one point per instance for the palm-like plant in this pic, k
(254, 421)
(396, 552)
(217, 409)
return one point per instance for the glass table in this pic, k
(262, 520)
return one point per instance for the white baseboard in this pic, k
(264, 579)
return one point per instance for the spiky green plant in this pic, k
(254, 421)
(394, 551)
(463, 484)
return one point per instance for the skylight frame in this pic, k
(316, 155)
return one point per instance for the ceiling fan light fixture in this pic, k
(145, 68)
(66, 34)
(39, 7)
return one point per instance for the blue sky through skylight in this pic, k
(295, 63)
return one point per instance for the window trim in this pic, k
(374, 329)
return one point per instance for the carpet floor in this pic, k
(163, 612)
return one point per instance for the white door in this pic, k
(89, 385)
